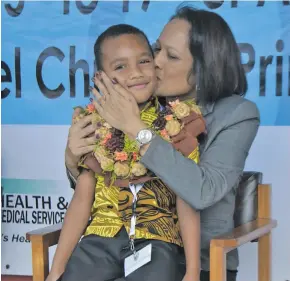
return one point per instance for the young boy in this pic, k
(124, 52)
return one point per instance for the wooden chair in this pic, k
(253, 223)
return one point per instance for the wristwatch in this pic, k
(145, 136)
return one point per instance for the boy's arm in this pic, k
(189, 223)
(75, 221)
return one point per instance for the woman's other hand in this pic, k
(81, 141)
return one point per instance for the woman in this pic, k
(196, 56)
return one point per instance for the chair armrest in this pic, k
(244, 233)
(49, 234)
(221, 245)
(41, 239)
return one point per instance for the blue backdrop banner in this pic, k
(47, 52)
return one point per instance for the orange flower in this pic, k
(169, 117)
(90, 108)
(121, 156)
(164, 133)
(107, 137)
(135, 156)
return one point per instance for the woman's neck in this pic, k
(190, 95)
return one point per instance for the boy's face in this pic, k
(128, 59)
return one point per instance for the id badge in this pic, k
(141, 258)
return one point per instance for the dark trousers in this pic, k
(231, 275)
(102, 259)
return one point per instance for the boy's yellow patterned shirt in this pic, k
(156, 207)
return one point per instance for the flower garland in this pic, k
(119, 155)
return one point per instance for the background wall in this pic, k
(47, 62)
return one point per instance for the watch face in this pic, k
(145, 136)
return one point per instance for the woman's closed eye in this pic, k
(172, 56)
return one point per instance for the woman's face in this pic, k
(173, 60)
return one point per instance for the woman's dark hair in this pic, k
(112, 32)
(216, 55)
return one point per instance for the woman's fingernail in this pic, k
(114, 81)
(93, 79)
(91, 99)
(91, 88)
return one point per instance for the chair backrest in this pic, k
(246, 208)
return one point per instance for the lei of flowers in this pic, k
(119, 155)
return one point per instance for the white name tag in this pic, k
(143, 256)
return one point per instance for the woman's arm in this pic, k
(75, 221)
(189, 223)
(221, 164)
(234, 128)
(71, 164)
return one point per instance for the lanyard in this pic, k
(134, 189)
